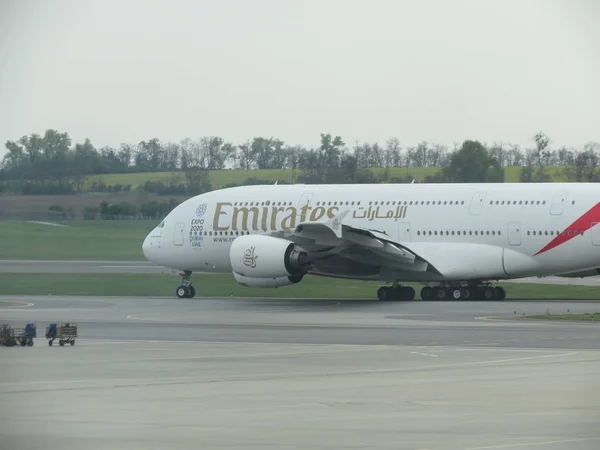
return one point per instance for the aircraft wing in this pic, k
(340, 249)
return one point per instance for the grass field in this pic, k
(84, 240)
(587, 317)
(35, 207)
(220, 178)
(223, 285)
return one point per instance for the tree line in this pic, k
(152, 210)
(51, 163)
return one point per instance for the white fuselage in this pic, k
(551, 226)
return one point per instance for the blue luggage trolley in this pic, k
(65, 333)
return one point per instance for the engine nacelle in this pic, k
(266, 282)
(258, 256)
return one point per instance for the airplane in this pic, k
(454, 239)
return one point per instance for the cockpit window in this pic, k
(162, 224)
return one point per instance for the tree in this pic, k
(536, 159)
(587, 164)
(473, 164)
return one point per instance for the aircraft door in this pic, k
(595, 232)
(514, 233)
(558, 203)
(477, 203)
(403, 232)
(178, 234)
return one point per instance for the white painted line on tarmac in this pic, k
(424, 354)
(23, 304)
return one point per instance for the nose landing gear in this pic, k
(185, 288)
(186, 291)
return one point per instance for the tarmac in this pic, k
(225, 373)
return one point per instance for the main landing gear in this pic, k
(486, 293)
(398, 293)
(185, 288)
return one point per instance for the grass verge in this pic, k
(81, 240)
(224, 285)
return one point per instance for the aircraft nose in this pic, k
(149, 248)
(145, 247)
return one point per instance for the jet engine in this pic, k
(267, 282)
(258, 256)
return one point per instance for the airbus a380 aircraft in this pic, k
(453, 238)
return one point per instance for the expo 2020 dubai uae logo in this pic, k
(200, 210)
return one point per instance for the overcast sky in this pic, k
(441, 71)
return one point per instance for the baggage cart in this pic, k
(65, 333)
(7, 336)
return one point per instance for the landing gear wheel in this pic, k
(426, 293)
(466, 294)
(408, 293)
(488, 293)
(183, 292)
(30, 343)
(457, 294)
(499, 293)
(61, 343)
(440, 293)
(72, 342)
(384, 293)
(192, 292)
